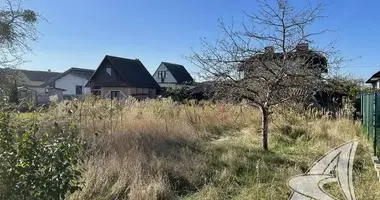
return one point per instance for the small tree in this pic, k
(13, 94)
(286, 70)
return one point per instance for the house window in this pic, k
(109, 70)
(46, 90)
(142, 91)
(162, 74)
(115, 94)
(152, 91)
(78, 89)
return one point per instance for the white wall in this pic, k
(39, 90)
(169, 76)
(69, 81)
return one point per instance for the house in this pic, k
(374, 80)
(72, 81)
(302, 55)
(172, 75)
(30, 84)
(266, 64)
(32, 79)
(118, 78)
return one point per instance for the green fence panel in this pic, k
(365, 113)
(370, 109)
(369, 114)
(377, 122)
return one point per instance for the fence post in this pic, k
(369, 114)
(367, 107)
(362, 107)
(375, 111)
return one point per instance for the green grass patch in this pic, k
(27, 115)
(240, 169)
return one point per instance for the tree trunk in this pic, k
(264, 126)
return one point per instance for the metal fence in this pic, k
(370, 110)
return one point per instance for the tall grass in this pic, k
(157, 149)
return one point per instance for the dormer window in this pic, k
(109, 70)
(162, 74)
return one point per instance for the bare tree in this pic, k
(17, 29)
(267, 61)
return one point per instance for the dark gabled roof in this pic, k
(132, 71)
(179, 72)
(29, 77)
(42, 76)
(374, 78)
(80, 72)
(83, 73)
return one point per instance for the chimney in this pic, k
(302, 47)
(269, 49)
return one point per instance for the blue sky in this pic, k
(80, 32)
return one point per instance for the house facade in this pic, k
(72, 81)
(172, 75)
(374, 80)
(118, 78)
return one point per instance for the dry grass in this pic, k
(161, 150)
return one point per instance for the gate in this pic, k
(370, 110)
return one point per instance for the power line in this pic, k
(361, 66)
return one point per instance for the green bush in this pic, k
(177, 94)
(35, 164)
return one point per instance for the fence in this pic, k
(370, 109)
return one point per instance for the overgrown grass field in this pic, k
(158, 149)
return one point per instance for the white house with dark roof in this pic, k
(172, 75)
(72, 81)
(374, 80)
(47, 83)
